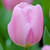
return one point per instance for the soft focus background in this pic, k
(5, 16)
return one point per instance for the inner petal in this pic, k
(30, 37)
(28, 13)
(23, 4)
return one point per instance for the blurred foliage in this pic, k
(5, 16)
(46, 37)
(1, 47)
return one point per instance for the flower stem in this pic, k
(26, 48)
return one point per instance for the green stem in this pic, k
(26, 48)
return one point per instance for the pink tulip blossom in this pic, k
(46, 47)
(9, 4)
(26, 25)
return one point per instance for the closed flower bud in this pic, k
(46, 47)
(10, 4)
(26, 25)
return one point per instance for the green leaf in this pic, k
(1, 47)
(2, 41)
(47, 23)
(45, 5)
(5, 17)
(46, 37)
(36, 2)
(35, 47)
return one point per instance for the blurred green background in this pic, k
(5, 16)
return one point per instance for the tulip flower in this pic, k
(26, 25)
(46, 47)
(10, 4)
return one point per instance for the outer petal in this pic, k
(34, 17)
(37, 23)
(18, 28)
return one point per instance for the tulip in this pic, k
(10, 4)
(26, 25)
(46, 47)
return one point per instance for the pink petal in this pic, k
(37, 23)
(34, 17)
(18, 28)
